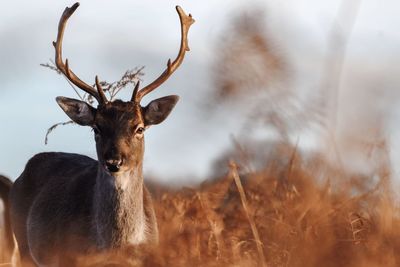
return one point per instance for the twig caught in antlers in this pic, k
(46, 139)
(132, 76)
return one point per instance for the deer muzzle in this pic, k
(113, 165)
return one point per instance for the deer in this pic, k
(66, 204)
(7, 240)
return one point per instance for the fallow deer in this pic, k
(67, 204)
(6, 239)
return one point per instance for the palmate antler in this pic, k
(64, 67)
(186, 22)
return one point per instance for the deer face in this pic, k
(118, 128)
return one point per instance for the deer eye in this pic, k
(140, 130)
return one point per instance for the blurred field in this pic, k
(303, 219)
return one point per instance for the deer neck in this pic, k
(119, 217)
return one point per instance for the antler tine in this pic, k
(186, 22)
(135, 91)
(64, 68)
(100, 90)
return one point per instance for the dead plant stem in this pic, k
(235, 175)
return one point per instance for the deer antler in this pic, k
(64, 67)
(186, 22)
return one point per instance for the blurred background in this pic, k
(320, 75)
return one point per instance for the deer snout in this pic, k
(114, 165)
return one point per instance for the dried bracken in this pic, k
(301, 220)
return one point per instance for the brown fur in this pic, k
(64, 205)
(8, 241)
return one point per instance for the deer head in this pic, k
(119, 126)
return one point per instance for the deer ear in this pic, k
(158, 110)
(79, 111)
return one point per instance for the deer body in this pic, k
(88, 208)
(7, 241)
(64, 204)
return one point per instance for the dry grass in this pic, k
(302, 220)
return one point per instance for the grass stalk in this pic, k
(234, 173)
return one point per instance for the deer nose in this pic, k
(113, 165)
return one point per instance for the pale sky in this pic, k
(108, 37)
